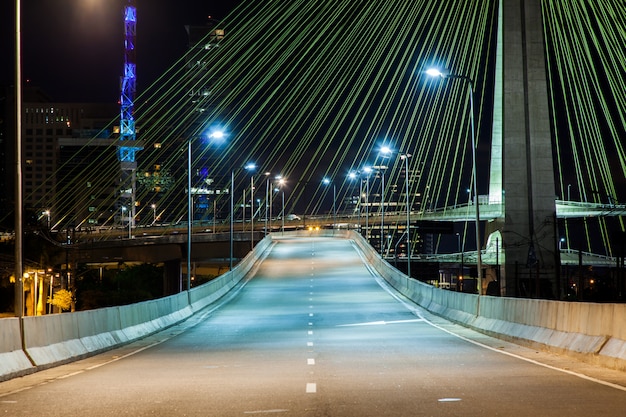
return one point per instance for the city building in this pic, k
(59, 141)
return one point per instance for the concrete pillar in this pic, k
(528, 191)
(171, 276)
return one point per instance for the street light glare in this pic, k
(217, 136)
(326, 181)
(250, 166)
(434, 72)
(385, 150)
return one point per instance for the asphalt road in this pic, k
(315, 333)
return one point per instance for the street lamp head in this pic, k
(217, 136)
(250, 166)
(435, 72)
(385, 150)
(352, 175)
(326, 181)
(405, 156)
(367, 170)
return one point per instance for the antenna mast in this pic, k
(127, 146)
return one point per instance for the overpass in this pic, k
(592, 332)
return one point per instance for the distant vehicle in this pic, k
(291, 217)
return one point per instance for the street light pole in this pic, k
(267, 192)
(327, 181)
(367, 171)
(189, 214)
(385, 152)
(251, 167)
(232, 203)
(408, 212)
(470, 84)
(352, 176)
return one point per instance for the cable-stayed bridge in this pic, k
(307, 96)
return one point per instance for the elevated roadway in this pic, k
(491, 211)
(315, 331)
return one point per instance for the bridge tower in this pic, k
(127, 146)
(522, 170)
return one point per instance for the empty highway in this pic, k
(313, 332)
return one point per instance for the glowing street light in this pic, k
(384, 152)
(406, 157)
(434, 72)
(216, 135)
(281, 183)
(367, 170)
(327, 181)
(250, 167)
(353, 176)
(267, 198)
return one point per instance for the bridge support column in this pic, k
(171, 277)
(527, 176)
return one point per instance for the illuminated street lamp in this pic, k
(326, 181)
(215, 135)
(367, 171)
(124, 210)
(384, 152)
(250, 167)
(353, 176)
(433, 72)
(153, 206)
(267, 199)
(406, 157)
(281, 183)
(47, 214)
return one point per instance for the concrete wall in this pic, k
(595, 333)
(12, 357)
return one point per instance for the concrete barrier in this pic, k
(59, 338)
(591, 332)
(13, 360)
(212, 291)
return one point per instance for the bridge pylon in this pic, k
(522, 169)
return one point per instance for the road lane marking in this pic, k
(381, 322)
(311, 388)
(417, 312)
(448, 400)
(309, 344)
(310, 332)
(310, 361)
(277, 410)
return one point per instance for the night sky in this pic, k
(73, 49)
